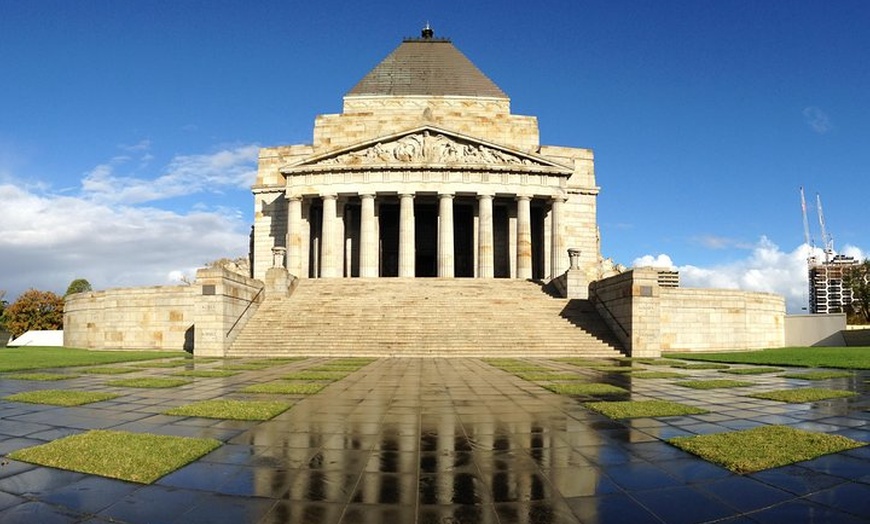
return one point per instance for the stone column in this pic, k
(524, 237)
(368, 247)
(294, 236)
(557, 241)
(445, 236)
(484, 237)
(407, 239)
(329, 246)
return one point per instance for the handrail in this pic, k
(250, 302)
(597, 301)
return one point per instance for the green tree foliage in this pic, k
(34, 309)
(79, 285)
(858, 279)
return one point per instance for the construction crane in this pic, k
(827, 240)
(811, 257)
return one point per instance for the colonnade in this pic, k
(331, 253)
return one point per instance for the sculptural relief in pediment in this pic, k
(428, 148)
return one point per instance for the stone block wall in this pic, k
(195, 318)
(650, 319)
(159, 317)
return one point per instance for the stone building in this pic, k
(426, 173)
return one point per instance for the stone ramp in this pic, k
(424, 317)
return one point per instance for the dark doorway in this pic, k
(537, 242)
(426, 239)
(501, 241)
(315, 219)
(388, 217)
(463, 240)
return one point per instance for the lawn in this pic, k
(59, 397)
(797, 396)
(232, 409)
(763, 447)
(15, 359)
(134, 457)
(813, 357)
(642, 409)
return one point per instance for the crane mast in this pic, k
(811, 258)
(827, 240)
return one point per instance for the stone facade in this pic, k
(651, 315)
(425, 179)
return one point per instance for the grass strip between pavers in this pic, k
(60, 397)
(15, 359)
(206, 373)
(134, 457)
(588, 389)
(159, 365)
(797, 396)
(232, 409)
(39, 376)
(108, 370)
(316, 375)
(286, 388)
(685, 365)
(148, 382)
(764, 447)
(750, 371)
(656, 374)
(540, 376)
(714, 384)
(244, 367)
(642, 409)
(819, 375)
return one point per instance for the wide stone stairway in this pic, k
(424, 317)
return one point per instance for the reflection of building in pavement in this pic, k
(387, 446)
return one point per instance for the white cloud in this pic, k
(818, 120)
(234, 168)
(767, 268)
(105, 235)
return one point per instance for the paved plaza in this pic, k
(439, 441)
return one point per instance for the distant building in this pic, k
(828, 294)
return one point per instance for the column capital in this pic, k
(328, 196)
(366, 195)
(446, 195)
(488, 196)
(293, 198)
(523, 197)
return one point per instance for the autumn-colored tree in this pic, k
(858, 279)
(79, 285)
(34, 309)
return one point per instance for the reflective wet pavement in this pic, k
(440, 441)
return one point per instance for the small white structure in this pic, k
(38, 338)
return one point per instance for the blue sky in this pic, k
(129, 130)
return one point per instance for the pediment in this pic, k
(424, 147)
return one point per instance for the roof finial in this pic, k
(428, 32)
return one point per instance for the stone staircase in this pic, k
(424, 317)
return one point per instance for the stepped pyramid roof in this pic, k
(426, 66)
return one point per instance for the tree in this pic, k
(3, 305)
(79, 285)
(34, 309)
(858, 279)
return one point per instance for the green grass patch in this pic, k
(584, 362)
(750, 371)
(764, 447)
(160, 365)
(286, 388)
(149, 382)
(589, 389)
(818, 375)
(244, 367)
(797, 396)
(613, 369)
(110, 370)
(656, 374)
(17, 359)
(654, 361)
(40, 376)
(686, 365)
(134, 457)
(59, 397)
(539, 376)
(206, 373)
(714, 384)
(812, 357)
(316, 375)
(642, 409)
(232, 409)
(277, 361)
